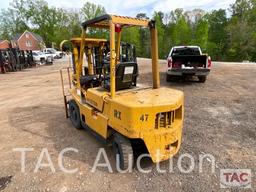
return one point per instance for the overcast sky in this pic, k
(132, 7)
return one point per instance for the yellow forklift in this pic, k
(106, 99)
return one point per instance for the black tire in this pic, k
(168, 78)
(74, 113)
(122, 147)
(202, 79)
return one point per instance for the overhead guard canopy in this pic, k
(114, 23)
(103, 22)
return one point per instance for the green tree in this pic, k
(90, 11)
(53, 24)
(182, 32)
(132, 35)
(201, 33)
(241, 31)
(158, 17)
(144, 39)
(49, 22)
(13, 20)
(74, 23)
(217, 36)
(224, 38)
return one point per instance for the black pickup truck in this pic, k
(188, 61)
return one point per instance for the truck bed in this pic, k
(194, 61)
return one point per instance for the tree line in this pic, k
(226, 35)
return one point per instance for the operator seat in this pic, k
(126, 76)
(89, 81)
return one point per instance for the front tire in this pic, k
(168, 78)
(74, 113)
(123, 151)
(202, 79)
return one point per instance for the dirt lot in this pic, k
(220, 119)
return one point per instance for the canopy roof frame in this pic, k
(103, 21)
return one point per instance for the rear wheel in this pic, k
(168, 78)
(74, 113)
(123, 151)
(202, 79)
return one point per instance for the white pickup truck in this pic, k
(188, 61)
(51, 51)
(41, 58)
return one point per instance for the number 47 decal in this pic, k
(144, 117)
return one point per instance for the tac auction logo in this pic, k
(235, 178)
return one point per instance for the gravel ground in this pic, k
(220, 119)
